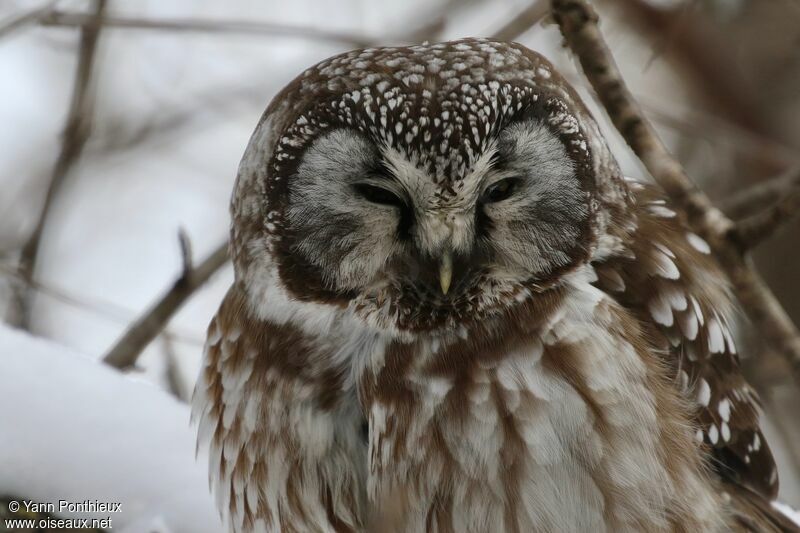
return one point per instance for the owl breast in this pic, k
(562, 429)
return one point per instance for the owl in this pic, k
(452, 313)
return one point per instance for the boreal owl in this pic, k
(451, 313)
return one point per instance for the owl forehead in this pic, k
(439, 105)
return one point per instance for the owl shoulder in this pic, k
(667, 277)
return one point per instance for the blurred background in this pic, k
(121, 127)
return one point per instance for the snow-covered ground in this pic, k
(74, 429)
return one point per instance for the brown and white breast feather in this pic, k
(563, 421)
(282, 425)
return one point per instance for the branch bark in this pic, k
(754, 230)
(127, 349)
(696, 45)
(579, 26)
(524, 21)
(173, 371)
(107, 310)
(25, 18)
(76, 131)
(243, 27)
(755, 198)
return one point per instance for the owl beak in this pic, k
(445, 271)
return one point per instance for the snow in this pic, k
(75, 429)
(793, 514)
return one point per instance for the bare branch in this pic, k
(701, 125)
(25, 18)
(522, 22)
(76, 131)
(106, 309)
(696, 47)
(127, 349)
(754, 230)
(186, 252)
(757, 197)
(578, 23)
(195, 25)
(175, 383)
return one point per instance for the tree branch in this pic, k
(702, 125)
(578, 23)
(76, 131)
(699, 51)
(30, 16)
(244, 27)
(173, 371)
(522, 22)
(126, 350)
(754, 230)
(105, 309)
(757, 197)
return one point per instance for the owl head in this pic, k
(420, 188)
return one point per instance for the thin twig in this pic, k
(522, 22)
(121, 133)
(428, 30)
(578, 23)
(754, 230)
(713, 128)
(699, 51)
(761, 195)
(76, 131)
(220, 99)
(106, 309)
(25, 18)
(175, 382)
(195, 25)
(186, 253)
(147, 327)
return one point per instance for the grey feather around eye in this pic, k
(537, 229)
(344, 217)
(347, 237)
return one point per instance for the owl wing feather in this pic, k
(668, 278)
(754, 513)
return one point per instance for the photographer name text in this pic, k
(62, 506)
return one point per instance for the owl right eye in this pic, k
(378, 195)
(500, 190)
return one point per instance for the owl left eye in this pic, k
(500, 190)
(378, 195)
